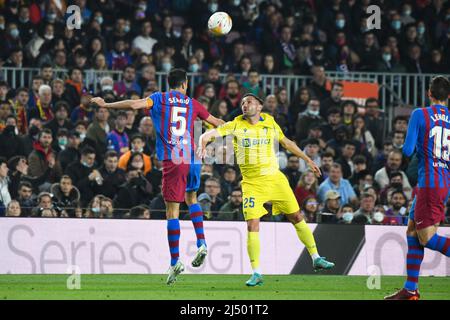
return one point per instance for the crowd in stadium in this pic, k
(62, 156)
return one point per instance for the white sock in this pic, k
(315, 256)
(257, 270)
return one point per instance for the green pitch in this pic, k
(193, 287)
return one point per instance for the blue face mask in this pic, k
(194, 67)
(126, 29)
(166, 66)
(99, 19)
(340, 23)
(347, 217)
(387, 57)
(14, 33)
(396, 24)
(420, 30)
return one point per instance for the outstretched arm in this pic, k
(292, 147)
(203, 141)
(214, 121)
(125, 104)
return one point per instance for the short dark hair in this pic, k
(137, 136)
(26, 184)
(46, 65)
(440, 88)
(394, 174)
(3, 160)
(111, 154)
(350, 143)
(326, 155)
(87, 150)
(176, 77)
(371, 100)
(121, 113)
(359, 159)
(333, 110)
(21, 89)
(402, 118)
(312, 141)
(46, 131)
(137, 211)
(62, 104)
(37, 77)
(401, 192)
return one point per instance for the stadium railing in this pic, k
(395, 89)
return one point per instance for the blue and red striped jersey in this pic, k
(173, 115)
(429, 134)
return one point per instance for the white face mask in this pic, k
(213, 7)
(313, 112)
(166, 66)
(194, 67)
(82, 136)
(347, 217)
(387, 57)
(107, 88)
(378, 216)
(49, 36)
(237, 2)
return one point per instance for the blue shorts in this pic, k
(193, 180)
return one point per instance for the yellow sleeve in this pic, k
(227, 128)
(279, 135)
(149, 102)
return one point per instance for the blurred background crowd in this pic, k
(63, 157)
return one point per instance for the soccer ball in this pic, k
(220, 23)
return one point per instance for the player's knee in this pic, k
(296, 217)
(423, 241)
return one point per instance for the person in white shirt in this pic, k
(144, 43)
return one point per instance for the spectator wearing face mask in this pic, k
(345, 214)
(307, 119)
(379, 215)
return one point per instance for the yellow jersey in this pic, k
(254, 145)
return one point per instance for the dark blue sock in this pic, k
(173, 235)
(196, 214)
(439, 243)
(414, 259)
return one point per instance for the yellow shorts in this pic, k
(274, 189)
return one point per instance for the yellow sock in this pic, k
(253, 249)
(306, 237)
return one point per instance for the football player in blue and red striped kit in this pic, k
(429, 135)
(174, 114)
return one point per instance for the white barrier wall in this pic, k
(386, 248)
(49, 246)
(136, 246)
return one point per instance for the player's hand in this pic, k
(99, 101)
(315, 168)
(201, 152)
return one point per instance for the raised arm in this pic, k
(293, 148)
(125, 104)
